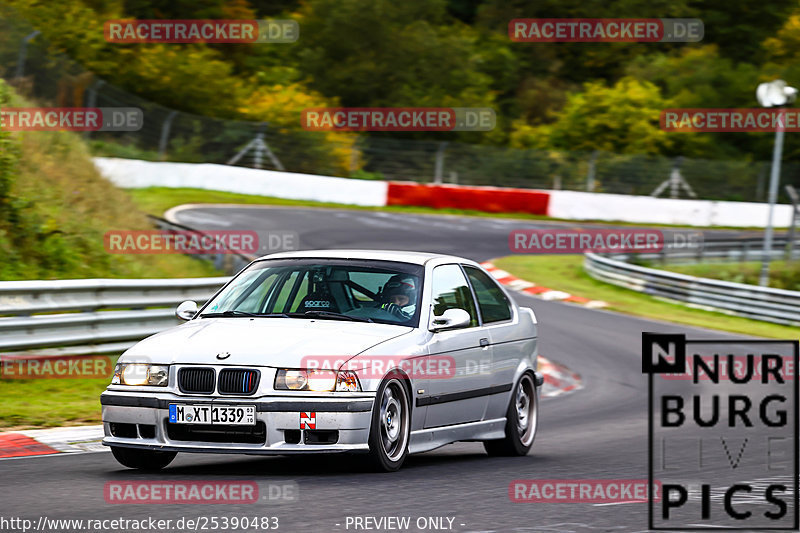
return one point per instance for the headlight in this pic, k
(316, 380)
(138, 374)
(294, 379)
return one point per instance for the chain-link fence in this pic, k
(170, 135)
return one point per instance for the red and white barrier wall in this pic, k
(571, 205)
(135, 174)
(490, 199)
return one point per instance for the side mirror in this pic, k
(186, 310)
(450, 319)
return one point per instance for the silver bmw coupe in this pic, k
(384, 353)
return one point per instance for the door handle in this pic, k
(484, 342)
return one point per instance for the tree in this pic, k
(621, 119)
(387, 53)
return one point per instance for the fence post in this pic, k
(91, 100)
(23, 55)
(165, 127)
(762, 173)
(437, 178)
(354, 153)
(590, 173)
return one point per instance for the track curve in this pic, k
(597, 432)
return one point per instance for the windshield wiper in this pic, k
(234, 313)
(333, 316)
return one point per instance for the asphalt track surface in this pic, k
(599, 432)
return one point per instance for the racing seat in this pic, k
(319, 299)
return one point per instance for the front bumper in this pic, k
(348, 417)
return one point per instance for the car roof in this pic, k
(418, 258)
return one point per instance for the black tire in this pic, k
(391, 426)
(522, 420)
(142, 459)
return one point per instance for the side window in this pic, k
(494, 305)
(450, 291)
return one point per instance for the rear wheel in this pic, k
(521, 421)
(390, 428)
(142, 459)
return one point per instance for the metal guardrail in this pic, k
(93, 316)
(723, 250)
(751, 301)
(229, 262)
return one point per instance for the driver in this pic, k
(399, 296)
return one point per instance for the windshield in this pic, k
(377, 291)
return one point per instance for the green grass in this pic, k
(565, 273)
(157, 200)
(782, 274)
(32, 403)
(55, 209)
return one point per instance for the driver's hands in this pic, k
(395, 310)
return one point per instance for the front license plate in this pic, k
(228, 415)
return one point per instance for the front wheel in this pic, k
(142, 459)
(521, 421)
(390, 427)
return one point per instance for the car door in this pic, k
(462, 395)
(508, 345)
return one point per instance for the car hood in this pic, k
(277, 342)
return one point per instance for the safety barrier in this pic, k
(751, 301)
(92, 315)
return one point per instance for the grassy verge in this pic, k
(157, 200)
(32, 403)
(565, 272)
(782, 274)
(55, 209)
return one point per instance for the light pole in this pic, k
(773, 94)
